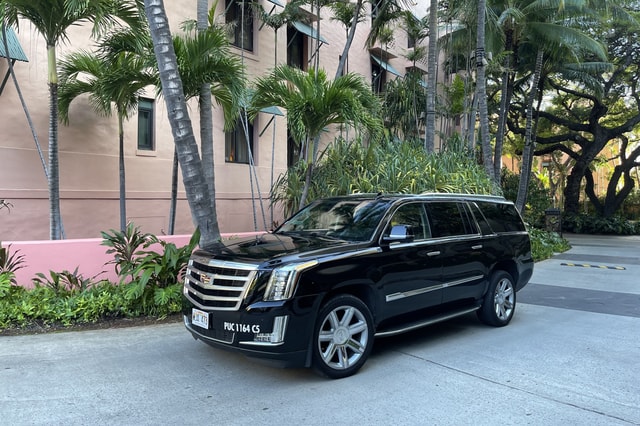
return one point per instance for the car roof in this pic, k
(424, 196)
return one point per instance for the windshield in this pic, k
(351, 220)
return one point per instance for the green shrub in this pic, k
(64, 281)
(544, 244)
(591, 224)
(10, 262)
(389, 167)
(537, 197)
(124, 246)
(67, 298)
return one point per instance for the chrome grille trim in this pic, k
(216, 285)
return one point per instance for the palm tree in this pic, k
(558, 45)
(112, 81)
(210, 73)
(313, 102)
(196, 186)
(206, 119)
(52, 19)
(481, 92)
(350, 15)
(432, 62)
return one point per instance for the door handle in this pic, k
(477, 247)
(433, 253)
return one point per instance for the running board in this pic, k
(419, 324)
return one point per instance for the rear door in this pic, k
(464, 263)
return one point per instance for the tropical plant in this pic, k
(52, 19)
(403, 106)
(65, 281)
(545, 244)
(113, 80)
(125, 245)
(350, 15)
(10, 262)
(432, 75)
(210, 72)
(352, 167)
(195, 184)
(313, 103)
(481, 91)
(158, 269)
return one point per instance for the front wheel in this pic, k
(343, 337)
(499, 303)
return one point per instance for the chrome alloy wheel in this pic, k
(504, 299)
(343, 337)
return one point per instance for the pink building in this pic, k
(88, 146)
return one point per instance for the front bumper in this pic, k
(272, 332)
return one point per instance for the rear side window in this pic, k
(446, 219)
(502, 217)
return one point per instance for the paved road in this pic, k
(569, 357)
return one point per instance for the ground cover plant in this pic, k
(150, 286)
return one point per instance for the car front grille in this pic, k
(217, 285)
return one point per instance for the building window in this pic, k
(296, 42)
(293, 152)
(145, 124)
(236, 148)
(378, 78)
(411, 41)
(240, 15)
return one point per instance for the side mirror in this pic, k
(399, 234)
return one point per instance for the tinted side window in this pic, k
(446, 219)
(482, 221)
(502, 217)
(413, 215)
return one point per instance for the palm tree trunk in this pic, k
(430, 131)
(174, 193)
(529, 143)
(206, 116)
(55, 222)
(506, 93)
(196, 186)
(123, 192)
(350, 36)
(481, 90)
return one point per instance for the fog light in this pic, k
(276, 336)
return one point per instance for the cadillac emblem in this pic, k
(205, 279)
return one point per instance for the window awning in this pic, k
(385, 66)
(15, 50)
(273, 110)
(308, 31)
(245, 101)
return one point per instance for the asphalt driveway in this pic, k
(570, 356)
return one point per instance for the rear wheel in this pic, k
(343, 337)
(499, 303)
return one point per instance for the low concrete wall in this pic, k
(88, 255)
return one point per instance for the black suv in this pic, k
(341, 271)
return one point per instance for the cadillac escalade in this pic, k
(345, 270)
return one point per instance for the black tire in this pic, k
(499, 302)
(343, 337)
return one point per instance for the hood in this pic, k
(276, 248)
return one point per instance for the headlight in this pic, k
(282, 281)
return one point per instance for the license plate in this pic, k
(200, 318)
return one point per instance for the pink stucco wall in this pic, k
(86, 254)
